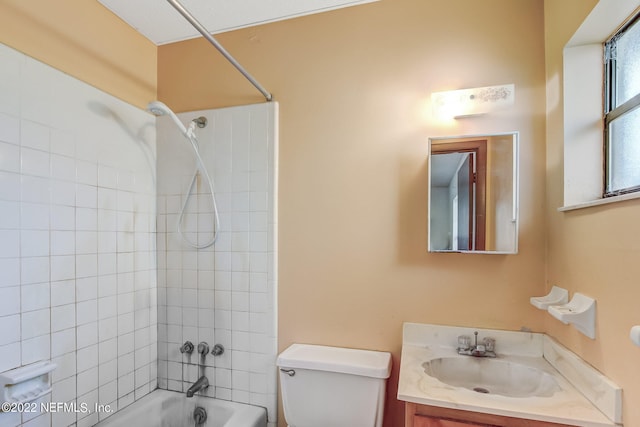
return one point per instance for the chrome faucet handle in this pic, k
(464, 342)
(203, 348)
(218, 349)
(489, 343)
(187, 347)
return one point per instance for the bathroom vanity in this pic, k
(433, 416)
(531, 381)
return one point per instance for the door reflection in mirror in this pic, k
(472, 194)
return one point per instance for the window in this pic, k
(583, 86)
(622, 115)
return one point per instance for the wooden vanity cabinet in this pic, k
(432, 416)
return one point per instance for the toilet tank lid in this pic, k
(366, 363)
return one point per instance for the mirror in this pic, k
(473, 194)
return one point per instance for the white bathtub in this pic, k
(163, 408)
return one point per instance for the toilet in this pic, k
(332, 386)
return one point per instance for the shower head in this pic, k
(158, 108)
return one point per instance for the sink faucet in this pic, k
(486, 349)
(199, 385)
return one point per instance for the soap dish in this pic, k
(557, 296)
(25, 384)
(580, 312)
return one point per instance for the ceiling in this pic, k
(158, 21)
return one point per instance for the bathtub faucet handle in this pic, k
(218, 349)
(187, 347)
(203, 348)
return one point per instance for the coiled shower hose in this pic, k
(200, 167)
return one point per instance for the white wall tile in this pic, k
(35, 323)
(87, 358)
(86, 148)
(107, 242)
(62, 168)
(63, 267)
(63, 242)
(64, 390)
(33, 216)
(86, 242)
(9, 129)
(86, 265)
(37, 420)
(9, 300)
(35, 162)
(35, 189)
(10, 243)
(9, 157)
(34, 243)
(35, 297)
(9, 75)
(107, 307)
(87, 219)
(62, 193)
(63, 292)
(10, 187)
(34, 135)
(10, 215)
(63, 218)
(10, 356)
(87, 381)
(10, 327)
(107, 329)
(63, 317)
(63, 342)
(63, 142)
(34, 270)
(87, 312)
(108, 392)
(36, 349)
(86, 173)
(107, 177)
(86, 196)
(87, 334)
(108, 350)
(66, 366)
(87, 288)
(108, 373)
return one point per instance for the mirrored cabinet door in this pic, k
(473, 194)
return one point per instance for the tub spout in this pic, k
(199, 385)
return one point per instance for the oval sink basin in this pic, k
(491, 376)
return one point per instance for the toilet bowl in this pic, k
(332, 386)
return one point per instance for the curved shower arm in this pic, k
(202, 30)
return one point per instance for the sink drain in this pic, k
(481, 390)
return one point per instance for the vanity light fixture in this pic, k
(470, 102)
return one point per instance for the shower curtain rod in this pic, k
(202, 30)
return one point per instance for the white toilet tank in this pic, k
(333, 387)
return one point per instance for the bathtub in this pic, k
(162, 408)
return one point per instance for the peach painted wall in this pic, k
(86, 41)
(354, 88)
(595, 250)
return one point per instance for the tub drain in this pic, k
(481, 390)
(199, 415)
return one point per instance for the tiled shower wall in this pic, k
(77, 240)
(225, 293)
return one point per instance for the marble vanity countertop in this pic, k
(420, 345)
